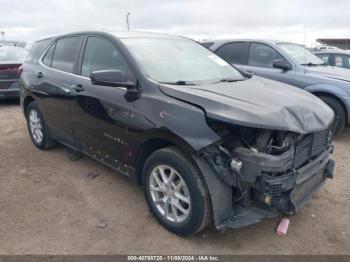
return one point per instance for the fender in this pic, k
(336, 91)
(220, 193)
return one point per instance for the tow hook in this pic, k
(330, 169)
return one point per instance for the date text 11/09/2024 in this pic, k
(174, 258)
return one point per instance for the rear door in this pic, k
(54, 86)
(235, 53)
(100, 113)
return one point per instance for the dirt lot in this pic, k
(48, 205)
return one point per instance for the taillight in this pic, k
(19, 71)
(12, 69)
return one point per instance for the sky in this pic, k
(293, 20)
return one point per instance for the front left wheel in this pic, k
(37, 127)
(176, 192)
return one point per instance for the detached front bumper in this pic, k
(294, 192)
(272, 187)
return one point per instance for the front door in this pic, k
(100, 114)
(260, 62)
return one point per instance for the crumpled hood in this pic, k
(257, 102)
(330, 72)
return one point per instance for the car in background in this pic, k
(11, 59)
(176, 118)
(291, 64)
(26, 45)
(327, 48)
(335, 58)
(7, 43)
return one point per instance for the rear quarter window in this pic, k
(37, 50)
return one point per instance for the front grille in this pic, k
(275, 189)
(310, 146)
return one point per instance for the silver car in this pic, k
(292, 64)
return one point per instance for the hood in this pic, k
(330, 72)
(257, 102)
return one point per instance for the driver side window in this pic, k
(101, 54)
(262, 55)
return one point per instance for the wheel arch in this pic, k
(150, 146)
(335, 97)
(26, 102)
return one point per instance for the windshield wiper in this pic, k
(226, 80)
(312, 64)
(179, 83)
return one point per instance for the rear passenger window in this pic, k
(65, 53)
(234, 53)
(47, 60)
(101, 54)
(262, 55)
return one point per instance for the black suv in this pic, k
(206, 141)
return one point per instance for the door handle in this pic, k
(39, 75)
(78, 88)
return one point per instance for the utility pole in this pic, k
(127, 20)
(3, 35)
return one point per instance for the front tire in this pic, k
(339, 111)
(37, 127)
(176, 192)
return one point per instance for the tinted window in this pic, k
(37, 50)
(65, 53)
(324, 57)
(262, 55)
(48, 56)
(341, 61)
(233, 53)
(101, 54)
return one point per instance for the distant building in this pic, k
(342, 43)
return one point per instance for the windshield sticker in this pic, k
(218, 60)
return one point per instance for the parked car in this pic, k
(291, 64)
(335, 58)
(11, 58)
(27, 45)
(328, 48)
(176, 118)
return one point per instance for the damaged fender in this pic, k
(220, 193)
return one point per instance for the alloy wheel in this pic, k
(36, 127)
(170, 194)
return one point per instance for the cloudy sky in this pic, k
(299, 21)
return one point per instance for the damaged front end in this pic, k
(261, 173)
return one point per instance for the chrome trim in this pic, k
(60, 71)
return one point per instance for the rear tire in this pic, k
(37, 127)
(179, 200)
(339, 111)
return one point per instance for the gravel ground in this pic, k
(51, 205)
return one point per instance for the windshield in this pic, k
(12, 54)
(168, 60)
(299, 53)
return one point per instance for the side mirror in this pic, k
(115, 78)
(282, 64)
